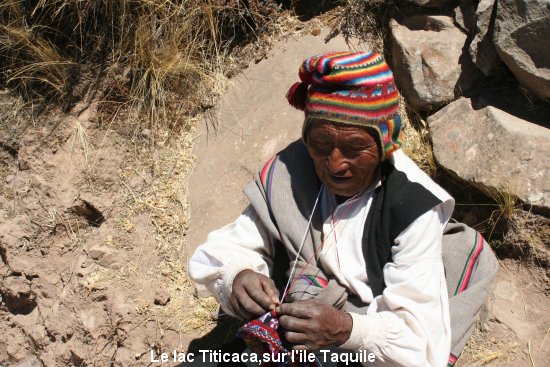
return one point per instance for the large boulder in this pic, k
(522, 30)
(255, 121)
(429, 61)
(482, 49)
(488, 146)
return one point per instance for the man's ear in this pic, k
(377, 138)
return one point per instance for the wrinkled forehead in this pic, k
(341, 128)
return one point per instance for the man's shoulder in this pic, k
(293, 151)
(293, 161)
(409, 193)
(410, 174)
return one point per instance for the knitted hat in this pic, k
(350, 88)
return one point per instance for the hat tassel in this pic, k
(297, 95)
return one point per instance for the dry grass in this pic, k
(146, 54)
(417, 144)
(481, 352)
(164, 203)
(365, 19)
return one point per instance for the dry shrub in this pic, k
(143, 53)
(366, 19)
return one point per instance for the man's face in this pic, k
(345, 157)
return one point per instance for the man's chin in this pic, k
(340, 191)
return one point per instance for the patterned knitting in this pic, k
(262, 337)
(350, 88)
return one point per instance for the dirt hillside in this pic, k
(92, 242)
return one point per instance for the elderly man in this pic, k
(363, 232)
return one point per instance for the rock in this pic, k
(17, 295)
(428, 60)
(162, 297)
(253, 107)
(105, 256)
(146, 133)
(97, 252)
(434, 3)
(24, 265)
(509, 308)
(464, 15)
(23, 165)
(29, 362)
(482, 49)
(201, 291)
(9, 179)
(522, 30)
(488, 146)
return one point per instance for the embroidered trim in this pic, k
(470, 263)
(266, 176)
(452, 360)
(313, 280)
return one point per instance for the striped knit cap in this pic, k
(350, 88)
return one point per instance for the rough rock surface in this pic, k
(491, 147)
(162, 297)
(58, 305)
(522, 30)
(105, 256)
(482, 49)
(17, 295)
(429, 61)
(434, 3)
(255, 122)
(464, 15)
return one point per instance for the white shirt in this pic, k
(408, 325)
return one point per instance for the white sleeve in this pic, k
(243, 244)
(409, 325)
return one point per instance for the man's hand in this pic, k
(312, 325)
(253, 295)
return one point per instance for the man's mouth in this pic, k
(339, 179)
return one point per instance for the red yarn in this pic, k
(297, 95)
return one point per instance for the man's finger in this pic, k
(240, 313)
(300, 309)
(295, 337)
(260, 297)
(291, 323)
(270, 288)
(249, 305)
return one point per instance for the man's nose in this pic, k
(336, 161)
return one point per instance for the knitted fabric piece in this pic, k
(261, 336)
(355, 89)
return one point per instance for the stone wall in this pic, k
(480, 72)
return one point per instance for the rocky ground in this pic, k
(92, 245)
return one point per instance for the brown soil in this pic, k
(91, 234)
